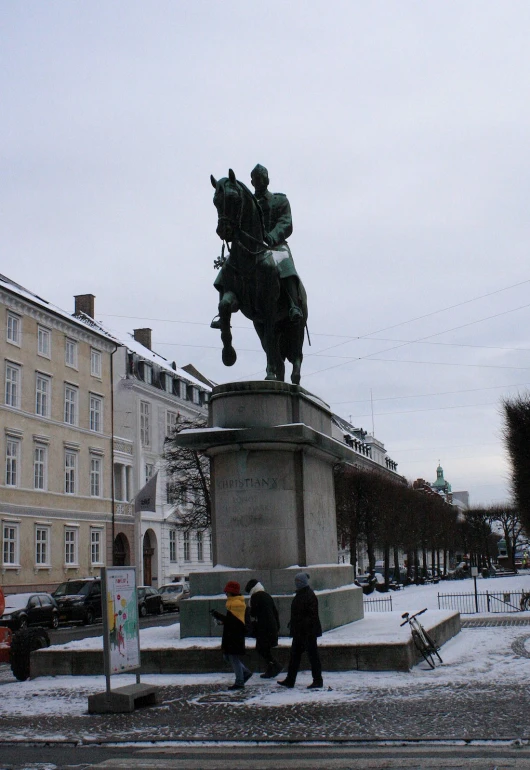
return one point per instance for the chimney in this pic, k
(84, 303)
(143, 336)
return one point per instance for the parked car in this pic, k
(33, 609)
(172, 594)
(149, 601)
(79, 599)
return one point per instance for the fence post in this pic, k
(438, 601)
(488, 600)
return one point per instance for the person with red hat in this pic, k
(233, 641)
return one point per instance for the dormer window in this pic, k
(195, 395)
(183, 390)
(148, 374)
(169, 383)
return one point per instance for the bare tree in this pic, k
(516, 432)
(508, 519)
(188, 478)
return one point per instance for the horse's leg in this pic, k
(227, 306)
(267, 296)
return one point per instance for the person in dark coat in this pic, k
(305, 628)
(266, 625)
(233, 641)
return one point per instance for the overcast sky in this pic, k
(399, 132)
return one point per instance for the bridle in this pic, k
(235, 223)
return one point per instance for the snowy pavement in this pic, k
(481, 692)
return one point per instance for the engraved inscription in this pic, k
(255, 482)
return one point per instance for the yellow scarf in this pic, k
(236, 605)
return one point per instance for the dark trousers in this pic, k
(264, 649)
(304, 644)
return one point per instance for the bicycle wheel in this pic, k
(423, 648)
(432, 644)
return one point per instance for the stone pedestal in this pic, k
(273, 499)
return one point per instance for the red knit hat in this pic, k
(232, 588)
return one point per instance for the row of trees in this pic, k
(379, 512)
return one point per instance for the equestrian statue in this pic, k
(258, 276)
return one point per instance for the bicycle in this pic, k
(423, 642)
(525, 601)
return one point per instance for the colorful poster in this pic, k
(122, 619)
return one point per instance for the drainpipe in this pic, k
(112, 453)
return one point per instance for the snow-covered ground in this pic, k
(475, 656)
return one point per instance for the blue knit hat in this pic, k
(301, 580)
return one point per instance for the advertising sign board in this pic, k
(120, 616)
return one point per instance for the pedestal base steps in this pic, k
(386, 655)
(339, 600)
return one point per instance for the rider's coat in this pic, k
(278, 224)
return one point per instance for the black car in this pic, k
(79, 599)
(36, 609)
(149, 601)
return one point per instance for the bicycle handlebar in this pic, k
(408, 617)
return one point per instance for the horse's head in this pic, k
(228, 200)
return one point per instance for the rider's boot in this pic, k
(295, 314)
(216, 322)
(291, 287)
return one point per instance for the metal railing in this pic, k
(471, 603)
(384, 604)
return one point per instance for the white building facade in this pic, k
(150, 394)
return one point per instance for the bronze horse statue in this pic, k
(249, 281)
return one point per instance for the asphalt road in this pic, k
(75, 631)
(259, 757)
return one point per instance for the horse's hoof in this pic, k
(295, 379)
(229, 356)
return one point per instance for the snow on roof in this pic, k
(95, 326)
(149, 355)
(81, 320)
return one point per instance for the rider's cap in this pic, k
(259, 169)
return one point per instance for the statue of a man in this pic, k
(278, 226)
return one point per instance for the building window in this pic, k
(95, 362)
(187, 556)
(145, 423)
(200, 549)
(42, 395)
(71, 550)
(40, 457)
(172, 492)
(14, 327)
(148, 374)
(43, 342)
(149, 470)
(70, 405)
(13, 385)
(95, 546)
(96, 412)
(171, 422)
(70, 472)
(183, 390)
(70, 353)
(169, 383)
(12, 461)
(195, 395)
(173, 545)
(181, 494)
(11, 544)
(42, 540)
(95, 476)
